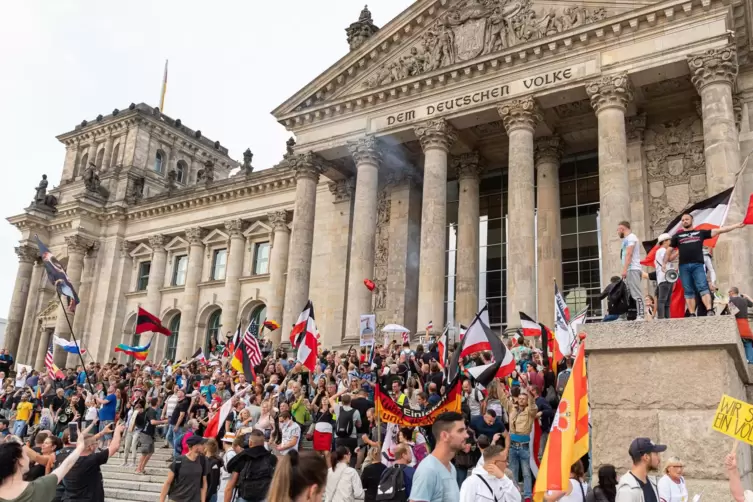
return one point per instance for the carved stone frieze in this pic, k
(436, 134)
(362, 30)
(366, 150)
(278, 220)
(713, 66)
(468, 166)
(737, 109)
(610, 91)
(27, 254)
(574, 109)
(634, 128)
(157, 242)
(342, 189)
(523, 113)
(234, 227)
(664, 87)
(473, 28)
(490, 129)
(548, 149)
(381, 252)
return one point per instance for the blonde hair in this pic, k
(295, 473)
(672, 461)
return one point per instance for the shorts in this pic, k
(102, 425)
(693, 278)
(146, 444)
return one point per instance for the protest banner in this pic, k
(734, 418)
(387, 410)
(366, 329)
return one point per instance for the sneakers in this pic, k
(710, 313)
(640, 318)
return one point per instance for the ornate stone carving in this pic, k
(248, 156)
(548, 149)
(381, 251)
(78, 244)
(664, 87)
(172, 179)
(574, 109)
(490, 129)
(713, 66)
(610, 91)
(157, 242)
(342, 189)
(234, 227)
(520, 113)
(126, 248)
(206, 175)
(91, 178)
(468, 166)
(473, 28)
(366, 149)
(290, 147)
(737, 109)
(279, 220)
(634, 127)
(307, 165)
(27, 254)
(136, 192)
(436, 133)
(361, 30)
(194, 235)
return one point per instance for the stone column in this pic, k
(610, 96)
(307, 168)
(84, 291)
(436, 137)
(190, 302)
(26, 257)
(640, 200)
(278, 265)
(41, 349)
(108, 152)
(713, 73)
(233, 273)
(548, 234)
(368, 158)
(157, 268)
(77, 248)
(26, 349)
(468, 168)
(520, 117)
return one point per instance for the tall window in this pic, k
(213, 329)
(114, 156)
(219, 263)
(179, 270)
(181, 169)
(82, 165)
(172, 340)
(579, 203)
(143, 278)
(261, 258)
(158, 162)
(100, 158)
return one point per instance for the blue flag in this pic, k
(57, 276)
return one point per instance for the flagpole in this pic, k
(73, 336)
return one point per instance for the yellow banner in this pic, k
(734, 418)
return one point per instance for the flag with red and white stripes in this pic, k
(303, 337)
(443, 349)
(405, 336)
(49, 363)
(429, 327)
(251, 344)
(529, 326)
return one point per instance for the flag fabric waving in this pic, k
(215, 423)
(568, 438)
(301, 325)
(475, 339)
(748, 220)
(443, 348)
(68, 345)
(57, 276)
(529, 326)
(271, 325)
(138, 352)
(146, 322)
(49, 363)
(305, 337)
(251, 351)
(480, 334)
(562, 330)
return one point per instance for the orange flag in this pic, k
(568, 438)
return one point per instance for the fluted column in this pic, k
(610, 96)
(368, 158)
(190, 302)
(157, 269)
(41, 348)
(548, 234)
(278, 265)
(713, 73)
(468, 168)
(26, 351)
(92, 158)
(233, 274)
(307, 168)
(79, 321)
(436, 137)
(77, 248)
(26, 257)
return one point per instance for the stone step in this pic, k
(129, 496)
(136, 485)
(128, 475)
(153, 468)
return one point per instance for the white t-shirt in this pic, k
(635, 259)
(576, 494)
(658, 260)
(669, 491)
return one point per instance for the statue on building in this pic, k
(137, 190)
(91, 178)
(360, 31)
(290, 146)
(172, 180)
(248, 156)
(41, 189)
(206, 175)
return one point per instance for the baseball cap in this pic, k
(663, 237)
(642, 446)
(194, 440)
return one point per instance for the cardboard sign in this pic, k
(734, 418)
(367, 329)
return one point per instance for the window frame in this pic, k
(177, 260)
(159, 156)
(171, 346)
(255, 261)
(141, 277)
(213, 271)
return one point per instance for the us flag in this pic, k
(49, 364)
(251, 344)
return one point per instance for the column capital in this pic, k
(27, 254)
(713, 66)
(522, 113)
(234, 227)
(342, 189)
(610, 91)
(634, 127)
(126, 248)
(195, 235)
(78, 244)
(468, 166)
(307, 166)
(437, 134)
(279, 220)
(548, 149)
(366, 150)
(157, 242)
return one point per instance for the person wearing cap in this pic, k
(672, 485)
(636, 485)
(232, 445)
(187, 478)
(664, 287)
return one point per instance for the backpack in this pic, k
(177, 463)
(344, 426)
(618, 299)
(392, 485)
(255, 478)
(178, 445)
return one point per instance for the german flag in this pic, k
(147, 322)
(271, 325)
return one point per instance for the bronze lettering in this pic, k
(411, 115)
(430, 110)
(476, 97)
(458, 102)
(504, 90)
(495, 92)
(390, 120)
(567, 73)
(467, 100)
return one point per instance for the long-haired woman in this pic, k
(299, 478)
(606, 490)
(343, 482)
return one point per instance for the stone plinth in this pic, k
(664, 379)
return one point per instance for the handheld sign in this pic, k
(735, 419)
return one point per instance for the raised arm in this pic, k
(728, 228)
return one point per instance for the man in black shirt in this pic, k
(147, 422)
(645, 456)
(742, 303)
(361, 403)
(84, 483)
(688, 243)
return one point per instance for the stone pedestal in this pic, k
(233, 273)
(610, 96)
(77, 248)
(26, 257)
(664, 380)
(548, 230)
(26, 348)
(153, 301)
(436, 137)
(278, 265)
(713, 73)
(367, 158)
(520, 117)
(468, 167)
(187, 330)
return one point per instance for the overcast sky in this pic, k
(231, 63)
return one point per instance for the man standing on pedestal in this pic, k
(631, 265)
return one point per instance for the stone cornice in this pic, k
(523, 113)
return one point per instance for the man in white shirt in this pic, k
(291, 431)
(661, 264)
(488, 482)
(630, 255)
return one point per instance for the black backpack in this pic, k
(255, 478)
(392, 485)
(344, 425)
(618, 299)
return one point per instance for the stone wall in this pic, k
(663, 380)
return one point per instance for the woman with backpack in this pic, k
(343, 483)
(372, 474)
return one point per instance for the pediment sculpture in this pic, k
(474, 28)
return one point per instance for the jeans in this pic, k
(462, 473)
(19, 426)
(542, 445)
(102, 426)
(748, 345)
(663, 301)
(610, 317)
(693, 278)
(520, 458)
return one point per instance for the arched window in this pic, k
(259, 314)
(82, 165)
(213, 330)
(172, 340)
(113, 161)
(100, 158)
(158, 162)
(182, 170)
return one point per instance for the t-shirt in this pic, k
(187, 486)
(474, 400)
(742, 305)
(23, 410)
(362, 405)
(107, 412)
(649, 495)
(433, 482)
(669, 491)
(83, 483)
(635, 258)
(181, 407)
(690, 245)
(149, 428)
(41, 489)
(658, 261)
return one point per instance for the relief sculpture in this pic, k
(381, 252)
(477, 27)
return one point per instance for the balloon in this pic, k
(369, 284)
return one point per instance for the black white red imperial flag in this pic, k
(529, 326)
(303, 337)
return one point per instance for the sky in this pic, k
(231, 64)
